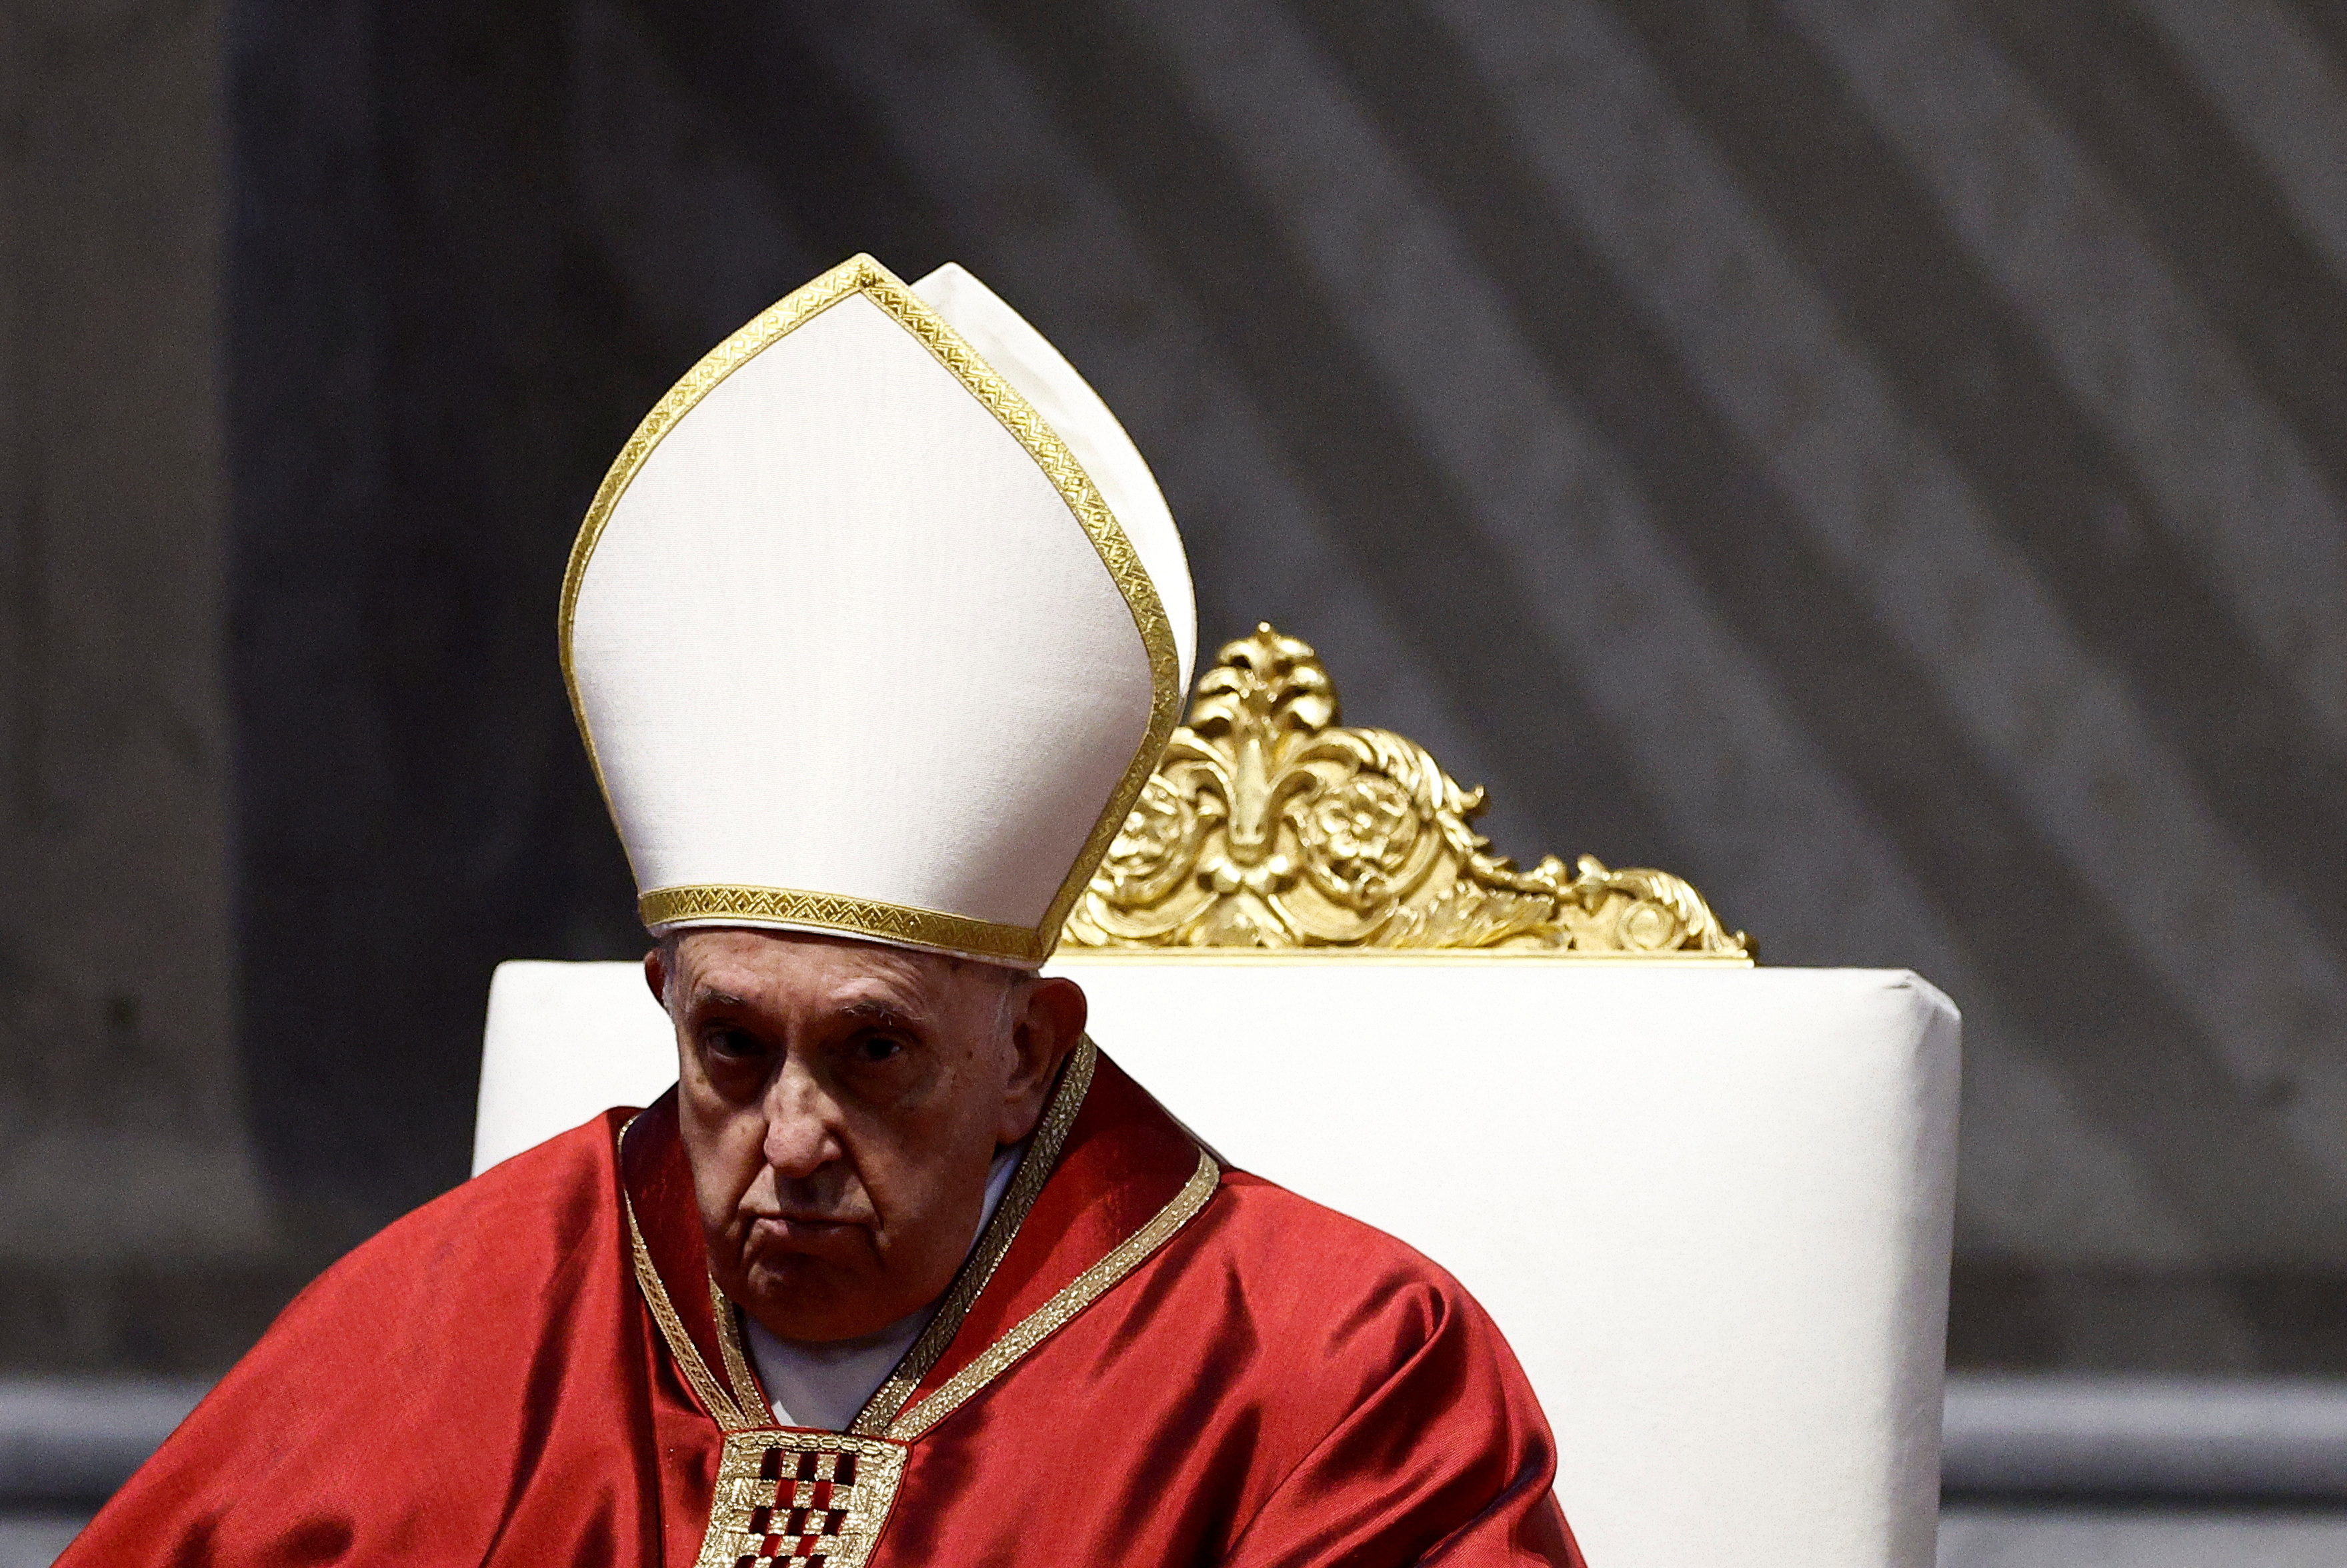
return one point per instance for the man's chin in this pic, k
(804, 1298)
(780, 1274)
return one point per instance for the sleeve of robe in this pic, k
(1443, 1459)
(467, 1387)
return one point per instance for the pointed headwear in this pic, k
(877, 625)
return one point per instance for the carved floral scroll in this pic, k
(1268, 825)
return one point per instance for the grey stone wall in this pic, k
(122, 1146)
(428, 373)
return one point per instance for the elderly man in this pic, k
(874, 633)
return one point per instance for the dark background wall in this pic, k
(1881, 459)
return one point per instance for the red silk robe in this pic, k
(1147, 1361)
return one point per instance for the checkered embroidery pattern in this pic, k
(800, 1499)
(805, 1516)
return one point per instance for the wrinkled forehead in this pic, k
(804, 967)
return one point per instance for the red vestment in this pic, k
(1169, 1364)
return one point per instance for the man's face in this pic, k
(841, 1102)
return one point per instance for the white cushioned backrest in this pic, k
(1709, 1207)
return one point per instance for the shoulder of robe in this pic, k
(385, 1403)
(1318, 1269)
(515, 1228)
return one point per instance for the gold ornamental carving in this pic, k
(1270, 825)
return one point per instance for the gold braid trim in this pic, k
(1057, 1313)
(767, 327)
(837, 912)
(713, 1399)
(747, 1391)
(1035, 1168)
(1030, 430)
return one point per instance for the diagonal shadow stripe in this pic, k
(1439, 581)
(843, 183)
(2325, 21)
(859, 158)
(2229, 235)
(2057, 962)
(1841, 200)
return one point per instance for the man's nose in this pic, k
(801, 1125)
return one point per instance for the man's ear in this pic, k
(656, 977)
(1047, 1024)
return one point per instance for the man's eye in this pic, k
(875, 1048)
(732, 1044)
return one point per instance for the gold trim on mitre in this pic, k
(852, 916)
(1271, 829)
(790, 907)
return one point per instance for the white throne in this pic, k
(1708, 1204)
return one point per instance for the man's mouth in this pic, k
(788, 1230)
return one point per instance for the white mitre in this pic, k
(877, 626)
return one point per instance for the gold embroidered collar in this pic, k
(785, 1495)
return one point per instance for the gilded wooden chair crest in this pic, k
(1268, 825)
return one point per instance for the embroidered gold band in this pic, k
(747, 1392)
(717, 904)
(714, 1397)
(1035, 1168)
(1057, 1313)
